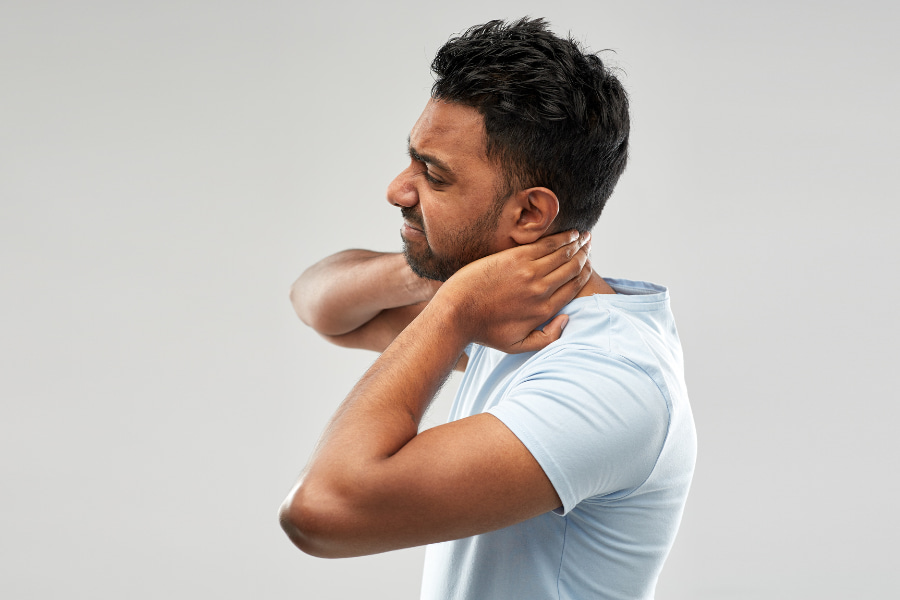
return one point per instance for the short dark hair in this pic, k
(554, 115)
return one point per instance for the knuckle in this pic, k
(537, 289)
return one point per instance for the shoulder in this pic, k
(595, 422)
(593, 379)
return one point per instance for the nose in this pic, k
(401, 191)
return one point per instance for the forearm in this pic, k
(389, 401)
(345, 500)
(346, 290)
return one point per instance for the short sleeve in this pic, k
(595, 422)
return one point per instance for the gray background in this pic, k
(168, 168)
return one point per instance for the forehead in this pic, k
(451, 132)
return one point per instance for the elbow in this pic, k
(312, 310)
(303, 526)
(316, 525)
(299, 301)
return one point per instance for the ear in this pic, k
(535, 210)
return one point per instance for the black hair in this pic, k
(554, 116)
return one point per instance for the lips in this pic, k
(412, 220)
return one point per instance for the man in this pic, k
(566, 463)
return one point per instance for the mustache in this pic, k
(413, 217)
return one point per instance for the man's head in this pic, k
(551, 124)
(554, 116)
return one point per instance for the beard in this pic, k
(467, 245)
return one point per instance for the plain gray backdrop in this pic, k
(167, 169)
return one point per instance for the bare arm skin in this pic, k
(374, 484)
(360, 298)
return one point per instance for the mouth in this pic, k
(412, 222)
(410, 232)
(409, 225)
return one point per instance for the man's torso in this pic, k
(605, 412)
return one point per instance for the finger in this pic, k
(569, 269)
(563, 254)
(541, 338)
(548, 245)
(567, 291)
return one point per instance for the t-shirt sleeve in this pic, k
(595, 423)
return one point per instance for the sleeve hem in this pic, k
(551, 469)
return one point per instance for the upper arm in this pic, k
(452, 481)
(552, 441)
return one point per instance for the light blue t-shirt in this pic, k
(605, 412)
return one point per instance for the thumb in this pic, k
(541, 338)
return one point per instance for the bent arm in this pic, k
(360, 298)
(374, 483)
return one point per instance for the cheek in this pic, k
(448, 221)
(438, 231)
(433, 214)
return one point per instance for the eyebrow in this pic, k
(427, 158)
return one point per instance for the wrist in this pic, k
(454, 311)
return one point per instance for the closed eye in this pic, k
(430, 178)
(426, 161)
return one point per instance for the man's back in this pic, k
(605, 412)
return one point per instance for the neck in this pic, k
(595, 285)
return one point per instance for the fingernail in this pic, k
(565, 322)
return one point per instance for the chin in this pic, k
(426, 265)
